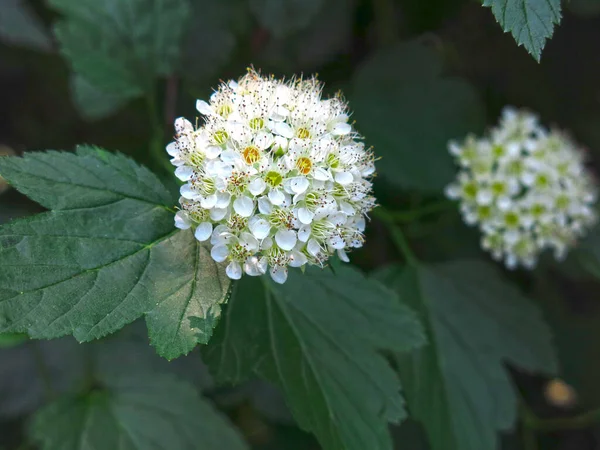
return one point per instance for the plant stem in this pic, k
(397, 234)
(42, 369)
(584, 420)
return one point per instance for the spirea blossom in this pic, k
(275, 176)
(525, 187)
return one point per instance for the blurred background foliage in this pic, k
(417, 73)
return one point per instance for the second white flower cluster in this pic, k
(275, 177)
(525, 187)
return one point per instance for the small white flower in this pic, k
(275, 176)
(525, 187)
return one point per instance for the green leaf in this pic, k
(120, 47)
(283, 17)
(408, 111)
(20, 26)
(458, 386)
(92, 103)
(530, 22)
(67, 364)
(92, 177)
(106, 255)
(317, 337)
(141, 412)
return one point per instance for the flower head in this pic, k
(275, 176)
(525, 187)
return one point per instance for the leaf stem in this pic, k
(583, 420)
(42, 369)
(397, 235)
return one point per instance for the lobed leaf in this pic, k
(120, 47)
(317, 337)
(105, 256)
(144, 412)
(458, 386)
(531, 22)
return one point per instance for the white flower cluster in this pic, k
(525, 187)
(275, 176)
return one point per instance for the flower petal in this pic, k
(223, 199)
(257, 186)
(343, 256)
(286, 239)
(299, 184)
(255, 266)
(244, 206)
(341, 129)
(173, 149)
(279, 274)
(204, 108)
(313, 248)
(297, 259)
(337, 242)
(265, 206)
(182, 220)
(182, 125)
(219, 253)
(260, 229)
(276, 196)
(188, 192)
(321, 174)
(217, 214)
(263, 140)
(304, 233)
(212, 151)
(209, 201)
(249, 242)
(344, 178)
(305, 216)
(234, 270)
(203, 231)
(283, 129)
(184, 173)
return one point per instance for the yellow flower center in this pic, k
(257, 123)
(224, 110)
(303, 133)
(196, 158)
(221, 137)
(273, 179)
(251, 154)
(304, 165)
